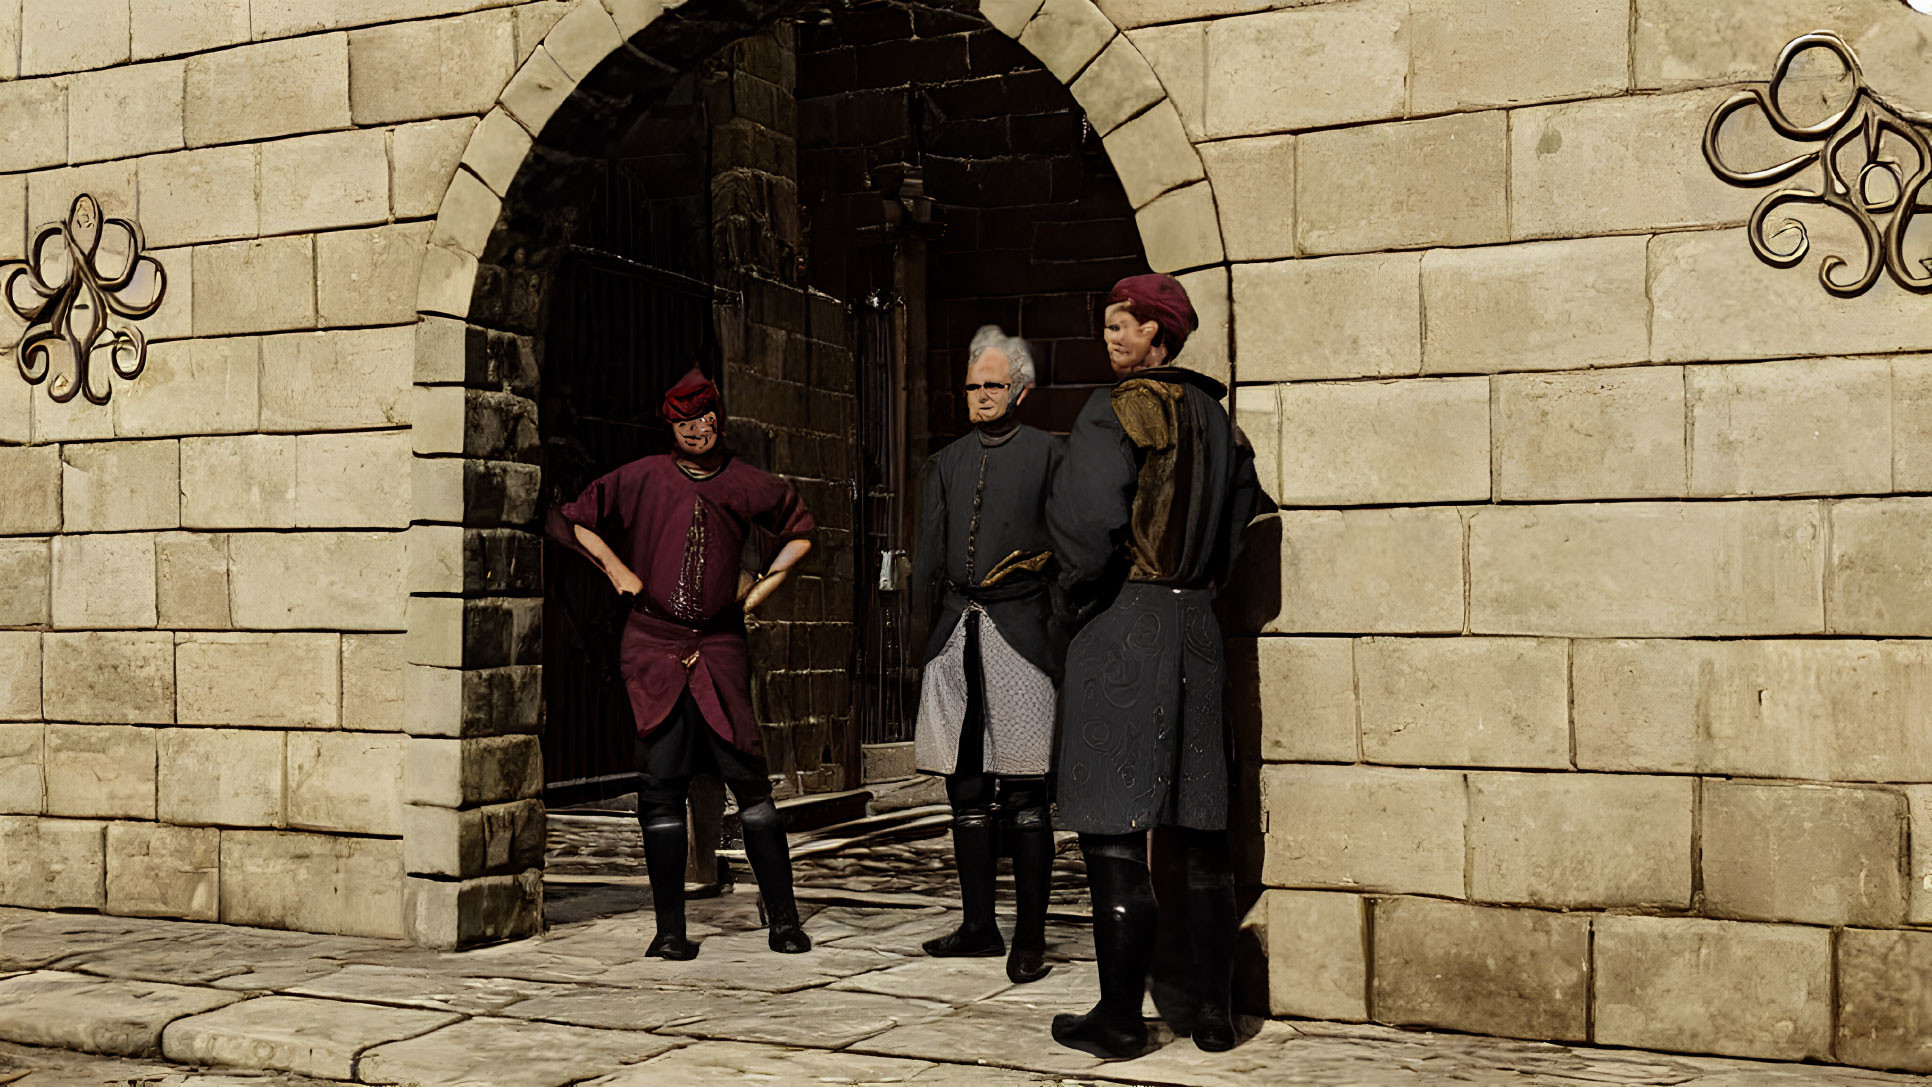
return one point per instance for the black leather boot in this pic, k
(978, 935)
(664, 848)
(1124, 919)
(771, 863)
(1211, 929)
(1032, 840)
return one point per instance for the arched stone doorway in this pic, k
(611, 85)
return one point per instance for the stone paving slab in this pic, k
(1009, 1036)
(768, 1066)
(61, 1068)
(819, 1019)
(507, 1053)
(418, 988)
(97, 1015)
(294, 1034)
(949, 981)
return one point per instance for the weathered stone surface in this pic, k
(283, 680)
(497, 150)
(118, 486)
(100, 771)
(1826, 855)
(1647, 569)
(489, 632)
(50, 196)
(1317, 955)
(1254, 188)
(1385, 443)
(474, 492)
(325, 182)
(537, 90)
(353, 480)
(296, 1034)
(1009, 16)
(190, 26)
(345, 781)
(1297, 694)
(472, 701)
(109, 678)
(1066, 34)
(1807, 426)
(1580, 840)
(312, 882)
(22, 780)
(31, 502)
(473, 841)
(372, 682)
(1518, 973)
(413, 70)
(225, 103)
(35, 111)
(473, 911)
(1117, 85)
(1352, 316)
(709, 1063)
(1394, 571)
(191, 580)
(1436, 182)
(509, 1052)
(1257, 415)
(1680, 42)
(229, 777)
(52, 864)
(1324, 64)
(1505, 52)
(1823, 710)
(337, 380)
(1544, 306)
(422, 159)
(448, 281)
(1608, 434)
(1178, 54)
(1918, 871)
(368, 277)
(1153, 154)
(238, 481)
(329, 580)
(1364, 828)
(20, 675)
(255, 286)
(104, 580)
(97, 1015)
(208, 194)
(123, 112)
(1714, 986)
(469, 213)
(465, 773)
(73, 36)
(163, 871)
(1884, 999)
(1912, 423)
(192, 386)
(1877, 580)
(1180, 230)
(1464, 701)
(26, 579)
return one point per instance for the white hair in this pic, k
(1018, 355)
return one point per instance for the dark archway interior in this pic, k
(817, 205)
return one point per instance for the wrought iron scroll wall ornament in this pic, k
(1859, 175)
(78, 277)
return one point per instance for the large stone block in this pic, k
(13, 246)
(1823, 710)
(1912, 423)
(1604, 434)
(23, 779)
(1518, 973)
(497, 151)
(449, 914)
(1297, 695)
(191, 581)
(1807, 426)
(368, 277)
(1442, 181)
(422, 160)
(1464, 701)
(255, 286)
(1257, 416)
(50, 196)
(349, 782)
(34, 111)
(1317, 955)
(1827, 855)
(238, 481)
(1687, 42)
(26, 579)
(1153, 154)
(1308, 67)
(1180, 230)
(476, 633)
(353, 480)
(307, 1036)
(373, 671)
(228, 777)
(52, 864)
(163, 871)
(1647, 569)
(1683, 983)
(100, 771)
(1353, 316)
(282, 680)
(325, 182)
(538, 89)
(1580, 840)
(192, 387)
(469, 214)
(1384, 443)
(1209, 349)
(1506, 52)
(205, 195)
(467, 842)
(31, 501)
(1178, 54)
(109, 678)
(1878, 579)
(312, 882)
(124, 112)
(1064, 35)
(9, 43)
(1364, 829)
(1254, 188)
(72, 35)
(413, 70)
(466, 773)
(1393, 571)
(20, 675)
(473, 701)
(1559, 305)
(310, 580)
(275, 88)
(1119, 84)
(1885, 999)
(118, 486)
(338, 380)
(187, 26)
(475, 492)
(104, 580)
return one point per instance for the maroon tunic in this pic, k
(683, 538)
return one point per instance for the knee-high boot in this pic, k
(664, 845)
(978, 933)
(1211, 926)
(1024, 808)
(771, 863)
(1124, 919)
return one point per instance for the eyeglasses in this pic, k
(989, 386)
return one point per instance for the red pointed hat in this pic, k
(1161, 299)
(689, 398)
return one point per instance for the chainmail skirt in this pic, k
(1019, 699)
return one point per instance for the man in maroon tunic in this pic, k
(678, 523)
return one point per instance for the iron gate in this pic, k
(884, 685)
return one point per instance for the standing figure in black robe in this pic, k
(1146, 518)
(987, 700)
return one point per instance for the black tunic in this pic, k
(1146, 521)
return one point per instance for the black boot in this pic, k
(1032, 839)
(978, 935)
(771, 863)
(1124, 919)
(1211, 927)
(664, 845)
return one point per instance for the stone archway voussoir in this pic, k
(1065, 35)
(1117, 86)
(1180, 229)
(583, 38)
(1152, 154)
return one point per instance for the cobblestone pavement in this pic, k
(169, 1003)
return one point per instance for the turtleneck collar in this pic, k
(997, 431)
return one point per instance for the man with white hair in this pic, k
(986, 706)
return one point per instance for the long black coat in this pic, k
(1146, 521)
